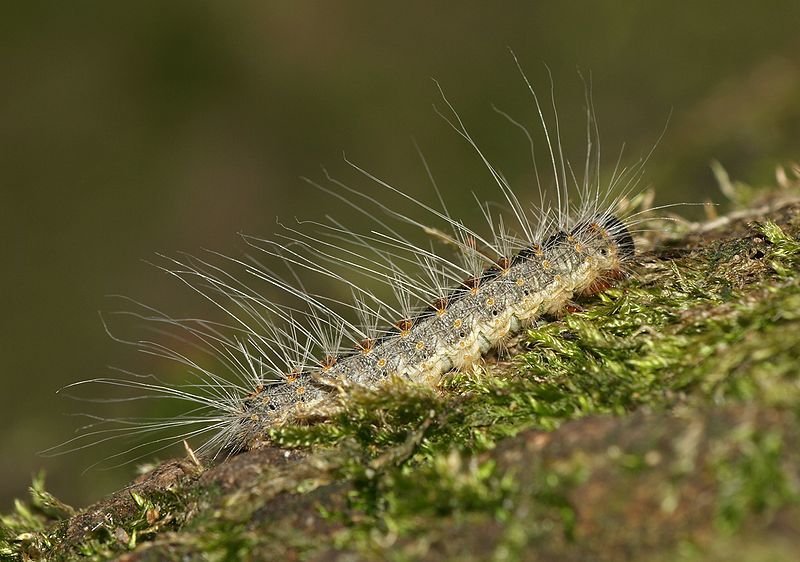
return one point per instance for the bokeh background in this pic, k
(128, 129)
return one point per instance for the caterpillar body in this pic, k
(454, 299)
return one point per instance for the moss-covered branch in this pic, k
(659, 423)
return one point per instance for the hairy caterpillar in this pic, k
(454, 298)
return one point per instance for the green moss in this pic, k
(670, 401)
(26, 526)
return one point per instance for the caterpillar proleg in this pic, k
(417, 309)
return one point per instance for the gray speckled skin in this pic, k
(459, 335)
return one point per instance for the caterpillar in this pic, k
(454, 298)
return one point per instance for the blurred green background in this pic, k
(133, 128)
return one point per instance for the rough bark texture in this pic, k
(659, 423)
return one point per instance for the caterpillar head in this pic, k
(607, 240)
